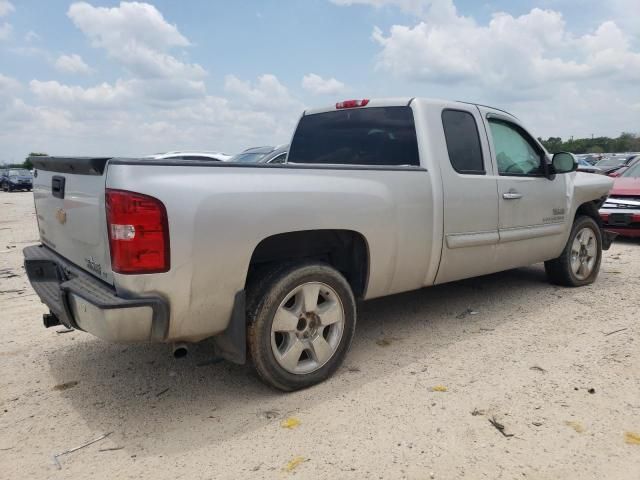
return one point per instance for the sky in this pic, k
(130, 78)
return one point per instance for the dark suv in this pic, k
(16, 179)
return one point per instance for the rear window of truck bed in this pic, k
(362, 136)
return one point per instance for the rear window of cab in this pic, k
(380, 136)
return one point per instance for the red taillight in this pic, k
(138, 233)
(352, 104)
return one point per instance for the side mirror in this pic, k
(564, 162)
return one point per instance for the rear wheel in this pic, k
(301, 322)
(579, 262)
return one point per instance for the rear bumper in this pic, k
(81, 301)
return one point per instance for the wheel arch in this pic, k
(346, 250)
(589, 209)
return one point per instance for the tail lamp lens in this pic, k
(138, 233)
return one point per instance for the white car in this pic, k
(191, 155)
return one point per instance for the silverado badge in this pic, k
(61, 216)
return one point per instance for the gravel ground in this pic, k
(540, 360)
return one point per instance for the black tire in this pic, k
(559, 269)
(265, 293)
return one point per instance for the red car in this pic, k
(621, 211)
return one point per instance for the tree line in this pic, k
(626, 142)
(27, 163)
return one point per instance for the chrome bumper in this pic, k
(81, 301)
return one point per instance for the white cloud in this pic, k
(137, 36)
(267, 93)
(25, 120)
(625, 13)
(156, 93)
(103, 95)
(72, 64)
(8, 85)
(560, 82)
(123, 118)
(159, 103)
(319, 86)
(163, 90)
(508, 53)
(6, 8)
(131, 22)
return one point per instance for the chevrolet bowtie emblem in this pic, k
(61, 216)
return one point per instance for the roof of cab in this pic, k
(404, 101)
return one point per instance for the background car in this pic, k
(630, 162)
(585, 166)
(16, 179)
(191, 155)
(612, 164)
(262, 155)
(279, 155)
(621, 212)
(590, 158)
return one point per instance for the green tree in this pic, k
(27, 161)
(553, 144)
(626, 142)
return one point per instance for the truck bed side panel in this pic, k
(218, 215)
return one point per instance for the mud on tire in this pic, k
(301, 320)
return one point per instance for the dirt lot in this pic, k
(508, 347)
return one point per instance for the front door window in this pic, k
(515, 153)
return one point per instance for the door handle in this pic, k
(511, 195)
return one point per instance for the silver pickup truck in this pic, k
(377, 197)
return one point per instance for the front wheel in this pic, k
(302, 318)
(579, 262)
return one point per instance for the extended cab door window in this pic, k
(515, 152)
(463, 142)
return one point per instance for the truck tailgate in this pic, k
(69, 196)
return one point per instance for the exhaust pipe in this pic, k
(180, 350)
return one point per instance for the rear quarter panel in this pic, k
(219, 214)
